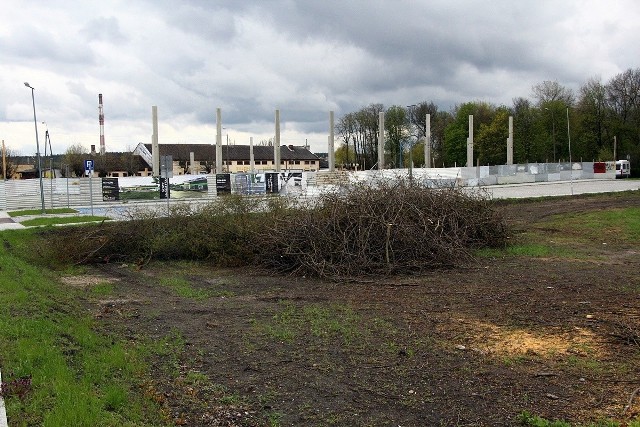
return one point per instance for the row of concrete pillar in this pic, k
(331, 141)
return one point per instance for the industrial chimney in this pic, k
(101, 120)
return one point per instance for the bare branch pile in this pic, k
(393, 227)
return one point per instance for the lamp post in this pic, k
(35, 123)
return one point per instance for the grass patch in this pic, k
(59, 370)
(29, 212)
(535, 250)
(322, 322)
(529, 420)
(61, 220)
(183, 288)
(562, 236)
(617, 225)
(101, 289)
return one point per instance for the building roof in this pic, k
(204, 152)
(201, 152)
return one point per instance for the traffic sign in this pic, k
(88, 167)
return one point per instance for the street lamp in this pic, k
(35, 123)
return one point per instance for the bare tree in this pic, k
(551, 92)
(592, 106)
(346, 128)
(360, 129)
(11, 163)
(623, 93)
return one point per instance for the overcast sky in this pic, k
(304, 58)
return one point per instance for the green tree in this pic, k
(396, 131)
(345, 156)
(457, 132)
(417, 153)
(528, 140)
(439, 124)
(74, 157)
(491, 141)
(591, 129)
(439, 121)
(623, 100)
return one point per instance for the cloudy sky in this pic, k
(303, 57)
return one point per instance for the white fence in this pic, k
(76, 192)
(57, 193)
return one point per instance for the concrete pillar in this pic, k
(332, 150)
(155, 148)
(510, 142)
(276, 144)
(4, 162)
(381, 141)
(427, 142)
(218, 140)
(252, 160)
(192, 164)
(470, 143)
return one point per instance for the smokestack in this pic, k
(101, 120)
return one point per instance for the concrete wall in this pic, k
(494, 175)
(530, 173)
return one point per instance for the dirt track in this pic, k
(473, 346)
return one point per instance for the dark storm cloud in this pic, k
(301, 57)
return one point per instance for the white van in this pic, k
(623, 169)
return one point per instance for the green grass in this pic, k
(44, 221)
(620, 225)
(77, 376)
(29, 212)
(319, 321)
(529, 420)
(101, 289)
(529, 249)
(561, 236)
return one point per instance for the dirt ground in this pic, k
(474, 346)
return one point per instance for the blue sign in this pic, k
(88, 165)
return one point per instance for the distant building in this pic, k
(235, 158)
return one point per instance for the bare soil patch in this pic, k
(476, 345)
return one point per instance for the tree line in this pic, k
(544, 125)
